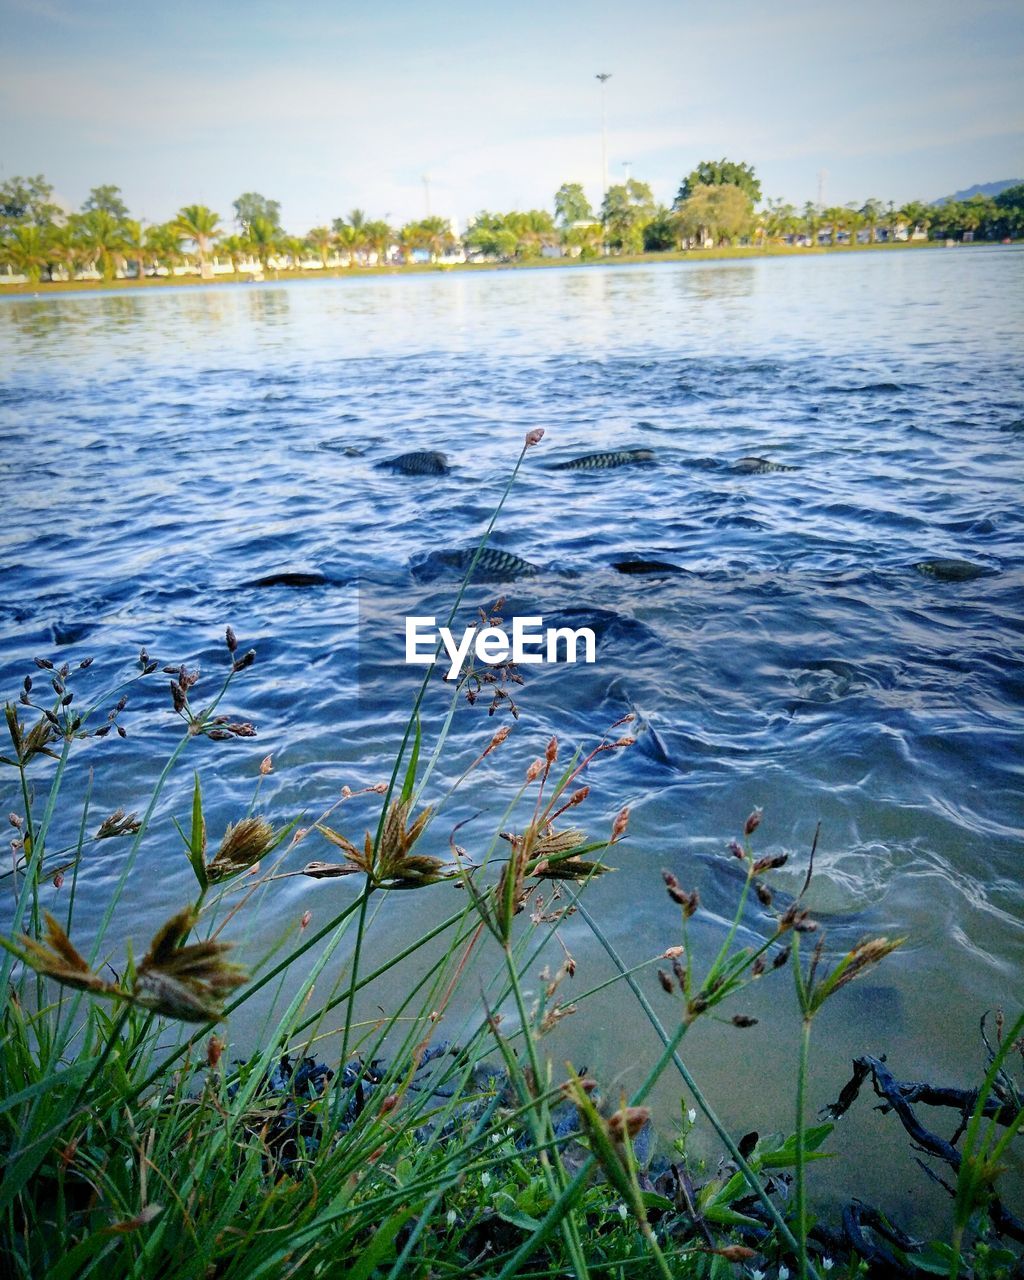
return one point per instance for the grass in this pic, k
(139, 1141)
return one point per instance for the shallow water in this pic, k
(164, 448)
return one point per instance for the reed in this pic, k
(136, 1142)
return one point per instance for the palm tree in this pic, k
(379, 238)
(436, 235)
(872, 211)
(295, 248)
(134, 246)
(347, 239)
(320, 241)
(236, 248)
(201, 225)
(163, 243)
(27, 251)
(102, 237)
(812, 221)
(263, 239)
(64, 249)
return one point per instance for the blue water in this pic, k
(163, 448)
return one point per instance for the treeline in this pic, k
(719, 202)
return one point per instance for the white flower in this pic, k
(827, 1264)
(622, 1212)
(757, 1275)
(691, 1115)
(450, 1217)
(783, 1272)
(485, 1179)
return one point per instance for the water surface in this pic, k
(163, 448)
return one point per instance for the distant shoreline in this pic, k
(724, 254)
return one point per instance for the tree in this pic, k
(915, 215)
(134, 246)
(437, 237)
(660, 232)
(102, 239)
(1009, 215)
(626, 210)
(263, 239)
(873, 212)
(320, 241)
(812, 219)
(779, 220)
(200, 225)
(106, 200)
(378, 238)
(27, 200)
(26, 250)
(717, 173)
(348, 240)
(163, 243)
(720, 212)
(252, 205)
(235, 248)
(572, 205)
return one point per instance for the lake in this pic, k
(163, 448)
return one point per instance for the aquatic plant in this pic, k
(135, 1142)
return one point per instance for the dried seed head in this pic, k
(620, 824)
(780, 958)
(764, 894)
(736, 1253)
(770, 864)
(551, 755)
(14, 819)
(85, 664)
(534, 771)
(670, 953)
(758, 967)
(534, 437)
(246, 660)
(742, 1020)
(266, 766)
(497, 740)
(752, 823)
(627, 1122)
(244, 843)
(307, 916)
(680, 973)
(666, 982)
(736, 849)
(178, 697)
(214, 1049)
(44, 664)
(230, 640)
(58, 879)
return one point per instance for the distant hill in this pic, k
(982, 189)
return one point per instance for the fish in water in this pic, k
(759, 466)
(953, 570)
(423, 462)
(493, 565)
(605, 461)
(647, 566)
(288, 579)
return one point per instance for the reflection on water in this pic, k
(164, 448)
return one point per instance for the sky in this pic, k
(404, 108)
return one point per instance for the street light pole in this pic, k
(604, 77)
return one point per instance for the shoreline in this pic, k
(723, 254)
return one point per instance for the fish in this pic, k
(605, 461)
(759, 466)
(646, 566)
(289, 579)
(493, 565)
(423, 462)
(953, 570)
